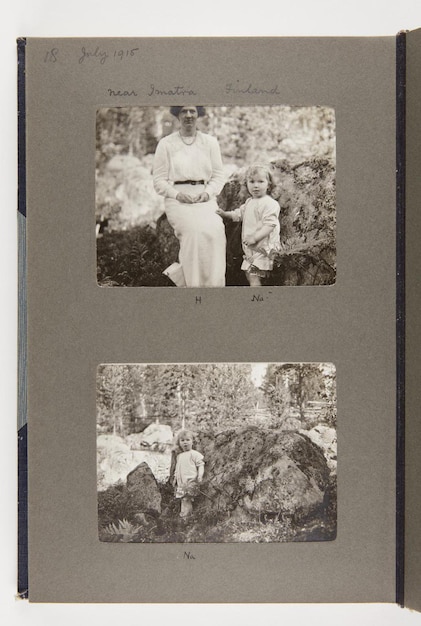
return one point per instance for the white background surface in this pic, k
(58, 18)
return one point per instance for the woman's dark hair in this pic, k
(201, 112)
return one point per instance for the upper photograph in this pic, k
(215, 196)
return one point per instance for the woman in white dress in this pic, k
(188, 173)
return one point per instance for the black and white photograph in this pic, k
(216, 452)
(214, 196)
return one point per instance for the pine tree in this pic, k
(305, 389)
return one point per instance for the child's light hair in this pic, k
(252, 169)
(182, 433)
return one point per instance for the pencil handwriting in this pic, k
(51, 56)
(238, 88)
(101, 55)
(98, 54)
(257, 297)
(119, 92)
(175, 90)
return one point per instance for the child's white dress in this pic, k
(186, 471)
(255, 213)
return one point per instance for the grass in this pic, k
(117, 523)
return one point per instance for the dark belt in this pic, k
(189, 182)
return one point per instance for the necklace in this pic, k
(188, 143)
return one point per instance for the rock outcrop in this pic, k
(325, 437)
(114, 460)
(154, 437)
(263, 472)
(142, 491)
(259, 485)
(117, 457)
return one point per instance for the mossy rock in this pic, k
(265, 472)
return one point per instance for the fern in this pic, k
(123, 531)
(308, 243)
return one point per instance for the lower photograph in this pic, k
(216, 452)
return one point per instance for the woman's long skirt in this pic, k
(201, 234)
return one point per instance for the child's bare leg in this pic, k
(186, 506)
(254, 280)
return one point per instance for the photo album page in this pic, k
(211, 295)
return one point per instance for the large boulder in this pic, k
(154, 437)
(159, 462)
(263, 472)
(107, 440)
(134, 441)
(114, 460)
(117, 457)
(157, 437)
(325, 437)
(142, 491)
(168, 243)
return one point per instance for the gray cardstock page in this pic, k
(74, 325)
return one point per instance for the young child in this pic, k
(260, 230)
(189, 470)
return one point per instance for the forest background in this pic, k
(214, 397)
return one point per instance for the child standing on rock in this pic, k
(260, 231)
(189, 470)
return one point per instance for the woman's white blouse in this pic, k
(176, 161)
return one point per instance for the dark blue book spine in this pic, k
(22, 582)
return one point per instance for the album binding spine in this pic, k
(412, 545)
(22, 582)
